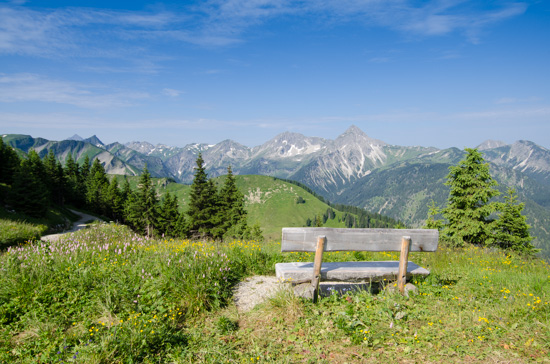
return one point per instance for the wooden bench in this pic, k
(321, 240)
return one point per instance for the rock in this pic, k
(304, 290)
(409, 288)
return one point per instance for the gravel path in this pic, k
(78, 225)
(255, 290)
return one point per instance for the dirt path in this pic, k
(255, 290)
(77, 225)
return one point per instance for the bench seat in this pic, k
(371, 271)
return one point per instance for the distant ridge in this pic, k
(75, 137)
(352, 169)
(491, 144)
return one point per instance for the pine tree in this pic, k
(55, 179)
(511, 228)
(9, 163)
(97, 185)
(75, 185)
(432, 222)
(142, 206)
(469, 206)
(232, 220)
(28, 194)
(169, 216)
(203, 202)
(85, 168)
(115, 200)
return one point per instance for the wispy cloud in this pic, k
(112, 33)
(171, 92)
(31, 87)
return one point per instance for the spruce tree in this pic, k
(469, 206)
(169, 216)
(97, 185)
(75, 186)
(202, 211)
(55, 179)
(28, 194)
(9, 163)
(232, 214)
(142, 206)
(511, 228)
(432, 222)
(115, 202)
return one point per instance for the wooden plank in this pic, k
(376, 240)
(403, 260)
(347, 271)
(317, 266)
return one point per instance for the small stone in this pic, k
(409, 287)
(304, 290)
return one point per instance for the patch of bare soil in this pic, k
(255, 290)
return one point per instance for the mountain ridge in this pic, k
(353, 168)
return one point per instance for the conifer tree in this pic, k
(469, 205)
(55, 179)
(231, 209)
(28, 193)
(511, 228)
(115, 201)
(169, 216)
(203, 202)
(75, 185)
(432, 222)
(9, 163)
(85, 168)
(142, 206)
(96, 188)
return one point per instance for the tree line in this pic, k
(33, 185)
(354, 217)
(472, 216)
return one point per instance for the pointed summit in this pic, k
(353, 133)
(75, 137)
(94, 140)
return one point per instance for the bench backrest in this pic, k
(375, 240)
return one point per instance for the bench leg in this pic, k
(317, 266)
(403, 262)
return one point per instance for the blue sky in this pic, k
(433, 73)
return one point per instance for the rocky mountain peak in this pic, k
(491, 144)
(141, 147)
(75, 137)
(355, 135)
(94, 140)
(290, 144)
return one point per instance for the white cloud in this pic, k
(171, 92)
(87, 32)
(31, 87)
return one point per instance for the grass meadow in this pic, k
(106, 295)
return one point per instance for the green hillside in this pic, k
(270, 202)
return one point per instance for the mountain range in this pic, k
(353, 169)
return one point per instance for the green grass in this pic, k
(16, 232)
(18, 228)
(477, 306)
(105, 295)
(272, 204)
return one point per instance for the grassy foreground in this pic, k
(105, 295)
